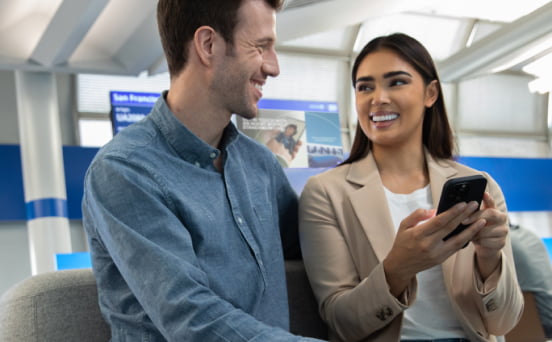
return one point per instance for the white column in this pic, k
(550, 120)
(42, 164)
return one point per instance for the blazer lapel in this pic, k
(439, 173)
(370, 206)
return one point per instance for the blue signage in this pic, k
(130, 107)
(304, 106)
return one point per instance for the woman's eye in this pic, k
(398, 82)
(363, 87)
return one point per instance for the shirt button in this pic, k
(213, 155)
(197, 164)
(240, 221)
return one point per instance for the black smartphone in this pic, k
(461, 189)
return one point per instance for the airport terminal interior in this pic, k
(105, 65)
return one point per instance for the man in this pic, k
(534, 271)
(188, 220)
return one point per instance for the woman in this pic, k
(372, 244)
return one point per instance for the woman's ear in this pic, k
(204, 41)
(431, 93)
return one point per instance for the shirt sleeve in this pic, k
(132, 228)
(534, 271)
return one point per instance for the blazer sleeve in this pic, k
(353, 306)
(501, 301)
(492, 307)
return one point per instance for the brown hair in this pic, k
(437, 135)
(178, 20)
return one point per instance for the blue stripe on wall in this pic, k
(525, 182)
(46, 207)
(12, 202)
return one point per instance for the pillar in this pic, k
(43, 172)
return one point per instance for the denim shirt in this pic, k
(182, 252)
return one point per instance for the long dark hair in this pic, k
(437, 135)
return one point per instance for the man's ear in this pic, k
(431, 93)
(204, 41)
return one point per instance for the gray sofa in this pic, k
(62, 306)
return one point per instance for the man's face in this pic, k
(243, 71)
(290, 131)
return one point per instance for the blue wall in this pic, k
(12, 199)
(525, 182)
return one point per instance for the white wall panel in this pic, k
(500, 103)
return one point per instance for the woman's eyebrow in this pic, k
(396, 73)
(386, 75)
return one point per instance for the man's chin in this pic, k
(248, 115)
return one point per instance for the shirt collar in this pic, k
(186, 144)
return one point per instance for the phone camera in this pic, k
(463, 187)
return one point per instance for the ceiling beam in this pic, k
(335, 14)
(69, 25)
(143, 48)
(499, 47)
(106, 67)
(159, 66)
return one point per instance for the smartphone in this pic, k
(461, 189)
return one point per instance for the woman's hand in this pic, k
(419, 245)
(492, 238)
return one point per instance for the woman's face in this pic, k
(391, 98)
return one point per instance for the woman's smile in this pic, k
(383, 116)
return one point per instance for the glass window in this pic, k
(441, 36)
(307, 78)
(301, 78)
(93, 90)
(93, 100)
(329, 40)
(95, 133)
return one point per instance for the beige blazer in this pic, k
(346, 232)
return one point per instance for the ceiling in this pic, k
(119, 37)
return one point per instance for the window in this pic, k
(302, 78)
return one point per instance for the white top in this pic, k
(431, 315)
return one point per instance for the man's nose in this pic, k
(270, 64)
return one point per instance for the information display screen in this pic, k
(301, 134)
(129, 107)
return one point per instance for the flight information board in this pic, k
(129, 107)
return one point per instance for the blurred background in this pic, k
(494, 57)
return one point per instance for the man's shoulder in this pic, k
(139, 137)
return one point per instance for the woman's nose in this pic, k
(379, 96)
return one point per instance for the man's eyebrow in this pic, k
(386, 75)
(266, 40)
